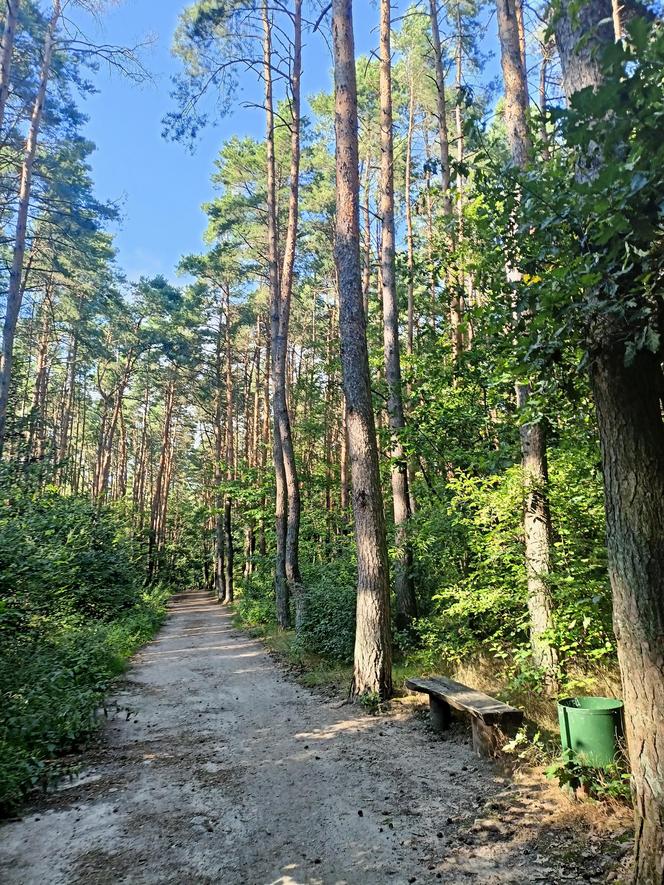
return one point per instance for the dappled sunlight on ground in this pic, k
(215, 769)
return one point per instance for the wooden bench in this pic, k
(491, 719)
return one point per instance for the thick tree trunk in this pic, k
(15, 289)
(536, 517)
(278, 345)
(616, 12)
(628, 399)
(629, 413)
(406, 603)
(6, 52)
(373, 652)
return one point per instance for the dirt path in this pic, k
(224, 771)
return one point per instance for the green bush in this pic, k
(329, 624)
(255, 602)
(72, 611)
(53, 684)
(60, 556)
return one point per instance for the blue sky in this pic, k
(159, 184)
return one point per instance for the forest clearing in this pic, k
(332, 388)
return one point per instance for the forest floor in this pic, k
(215, 767)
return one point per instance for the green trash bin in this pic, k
(591, 728)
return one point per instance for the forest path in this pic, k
(215, 768)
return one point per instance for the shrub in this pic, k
(329, 625)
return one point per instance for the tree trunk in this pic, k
(628, 400)
(403, 579)
(282, 416)
(544, 135)
(15, 292)
(628, 403)
(373, 652)
(230, 457)
(410, 245)
(36, 434)
(67, 407)
(366, 215)
(219, 564)
(265, 440)
(441, 107)
(6, 52)
(536, 518)
(162, 482)
(278, 345)
(616, 12)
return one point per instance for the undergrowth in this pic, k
(72, 611)
(52, 686)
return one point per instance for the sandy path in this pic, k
(224, 771)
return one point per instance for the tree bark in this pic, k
(15, 292)
(219, 563)
(373, 652)
(6, 52)
(282, 416)
(628, 400)
(278, 346)
(441, 107)
(36, 433)
(162, 482)
(406, 603)
(537, 517)
(628, 404)
(230, 457)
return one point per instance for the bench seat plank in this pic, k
(468, 700)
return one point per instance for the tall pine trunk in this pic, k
(219, 559)
(15, 289)
(373, 649)
(282, 416)
(406, 603)
(536, 515)
(230, 456)
(277, 344)
(6, 52)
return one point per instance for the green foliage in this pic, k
(255, 604)
(71, 612)
(610, 783)
(60, 557)
(329, 625)
(53, 684)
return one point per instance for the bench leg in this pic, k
(440, 715)
(487, 739)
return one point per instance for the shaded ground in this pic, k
(215, 768)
